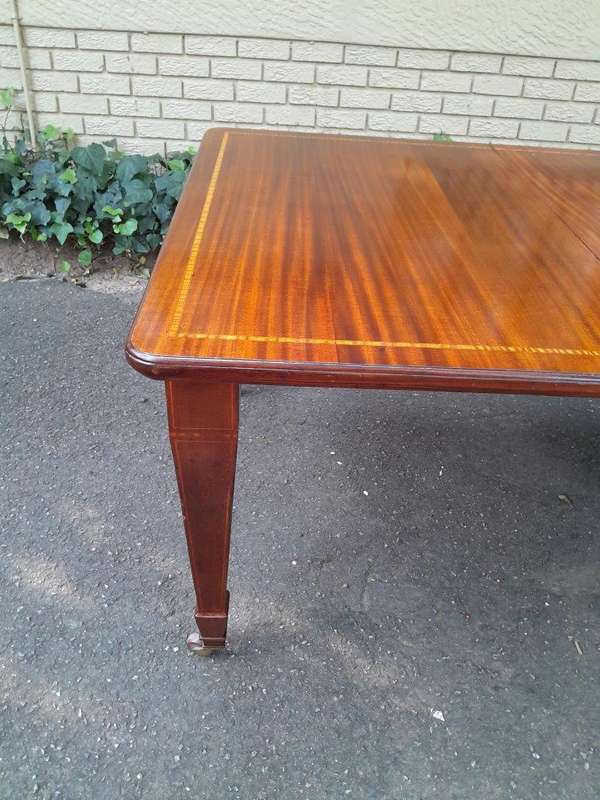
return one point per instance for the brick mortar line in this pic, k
(234, 59)
(264, 106)
(290, 40)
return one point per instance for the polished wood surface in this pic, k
(203, 428)
(314, 259)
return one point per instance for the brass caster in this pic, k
(196, 645)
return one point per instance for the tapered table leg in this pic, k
(203, 426)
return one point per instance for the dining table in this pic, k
(322, 260)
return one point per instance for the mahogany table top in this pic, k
(329, 260)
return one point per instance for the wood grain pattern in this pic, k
(326, 260)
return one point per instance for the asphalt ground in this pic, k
(415, 595)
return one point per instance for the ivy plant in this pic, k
(88, 196)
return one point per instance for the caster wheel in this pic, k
(197, 646)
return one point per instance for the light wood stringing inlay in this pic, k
(492, 348)
(199, 233)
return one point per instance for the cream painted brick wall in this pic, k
(257, 92)
(519, 107)
(102, 84)
(134, 106)
(588, 91)
(443, 123)
(102, 40)
(476, 62)
(290, 115)
(395, 78)
(236, 68)
(495, 128)
(237, 112)
(131, 63)
(365, 98)
(446, 82)
(82, 103)
(423, 59)
(343, 75)
(49, 37)
(78, 61)
(37, 59)
(497, 84)
(157, 42)
(303, 94)
(581, 70)
(317, 51)
(188, 66)
(160, 91)
(155, 86)
(289, 72)
(549, 89)
(160, 128)
(569, 112)
(548, 131)
(524, 65)
(263, 48)
(374, 56)
(109, 126)
(417, 101)
(585, 134)
(469, 104)
(208, 90)
(341, 118)
(392, 121)
(210, 46)
(54, 81)
(186, 109)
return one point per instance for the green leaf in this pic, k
(17, 184)
(38, 235)
(61, 230)
(129, 166)
(61, 204)
(40, 215)
(127, 228)
(176, 164)
(64, 266)
(85, 258)
(441, 137)
(50, 133)
(7, 97)
(115, 213)
(95, 236)
(42, 172)
(8, 167)
(90, 158)
(68, 175)
(18, 221)
(136, 193)
(68, 136)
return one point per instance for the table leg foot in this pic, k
(212, 630)
(204, 647)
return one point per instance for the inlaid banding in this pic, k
(485, 348)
